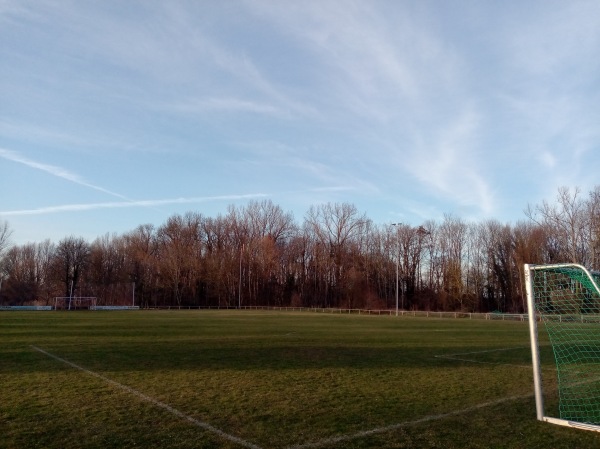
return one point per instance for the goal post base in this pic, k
(575, 424)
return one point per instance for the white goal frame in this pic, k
(535, 353)
(74, 301)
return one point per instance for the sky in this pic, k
(119, 113)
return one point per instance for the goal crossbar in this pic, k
(566, 298)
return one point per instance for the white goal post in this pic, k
(566, 299)
(75, 302)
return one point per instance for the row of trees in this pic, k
(258, 255)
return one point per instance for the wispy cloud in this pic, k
(32, 132)
(333, 189)
(314, 163)
(127, 204)
(392, 72)
(232, 105)
(370, 64)
(176, 45)
(11, 9)
(419, 108)
(551, 98)
(448, 163)
(56, 171)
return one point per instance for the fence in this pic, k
(384, 312)
(389, 312)
(25, 307)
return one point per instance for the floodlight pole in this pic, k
(398, 268)
(397, 278)
(240, 280)
(71, 294)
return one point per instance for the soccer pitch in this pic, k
(269, 380)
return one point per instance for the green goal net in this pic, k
(566, 299)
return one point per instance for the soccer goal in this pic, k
(75, 302)
(566, 299)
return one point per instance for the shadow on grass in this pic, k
(159, 356)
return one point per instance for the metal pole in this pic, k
(398, 268)
(535, 351)
(403, 289)
(240, 281)
(133, 295)
(71, 294)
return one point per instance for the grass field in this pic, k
(229, 379)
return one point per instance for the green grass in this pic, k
(274, 380)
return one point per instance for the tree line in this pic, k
(257, 254)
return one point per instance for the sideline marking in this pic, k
(156, 402)
(366, 433)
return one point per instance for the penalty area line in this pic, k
(429, 418)
(155, 402)
(463, 359)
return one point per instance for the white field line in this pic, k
(429, 418)
(155, 402)
(463, 359)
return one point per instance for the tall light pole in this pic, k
(240, 280)
(421, 233)
(70, 294)
(397, 264)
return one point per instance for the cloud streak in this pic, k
(231, 105)
(56, 171)
(159, 202)
(127, 204)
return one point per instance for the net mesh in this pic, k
(75, 302)
(568, 300)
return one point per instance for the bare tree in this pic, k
(531, 247)
(71, 257)
(593, 213)
(567, 220)
(266, 219)
(409, 243)
(503, 282)
(27, 273)
(265, 229)
(220, 258)
(5, 234)
(108, 270)
(141, 252)
(21, 285)
(336, 227)
(48, 287)
(179, 248)
(451, 238)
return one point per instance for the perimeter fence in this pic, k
(584, 318)
(389, 312)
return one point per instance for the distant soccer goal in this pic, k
(566, 298)
(75, 303)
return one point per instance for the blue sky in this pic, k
(120, 113)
